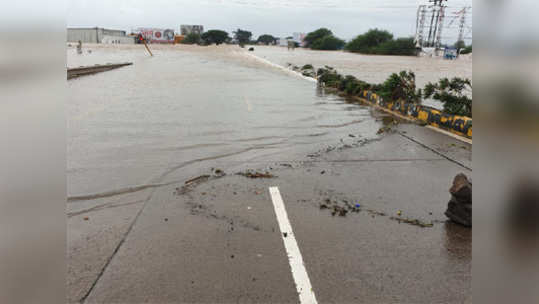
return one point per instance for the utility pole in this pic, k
(462, 23)
(440, 24)
(431, 24)
(437, 11)
(146, 45)
(420, 26)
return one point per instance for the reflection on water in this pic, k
(458, 240)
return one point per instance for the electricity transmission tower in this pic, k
(420, 26)
(439, 26)
(434, 39)
(439, 8)
(462, 23)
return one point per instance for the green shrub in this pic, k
(401, 87)
(214, 36)
(329, 43)
(266, 39)
(398, 47)
(452, 94)
(243, 37)
(381, 42)
(191, 38)
(328, 77)
(315, 35)
(466, 50)
(367, 42)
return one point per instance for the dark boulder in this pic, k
(459, 208)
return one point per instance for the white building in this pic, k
(299, 38)
(188, 29)
(118, 40)
(296, 37)
(283, 41)
(97, 35)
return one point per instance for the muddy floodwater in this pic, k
(158, 213)
(186, 108)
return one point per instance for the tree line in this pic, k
(374, 41)
(241, 37)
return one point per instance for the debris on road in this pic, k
(374, 212)
(197, 179)
(194, 182)
(340, 208)
(414, 222)
(383, 129)
(219, 172)
(251, 174)
(341, 211)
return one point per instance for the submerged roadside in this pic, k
(202, 232)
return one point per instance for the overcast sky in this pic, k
(346, 18)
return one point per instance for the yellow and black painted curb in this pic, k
(460, 125)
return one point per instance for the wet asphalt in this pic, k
(217, 239)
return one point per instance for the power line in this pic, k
(436, 11)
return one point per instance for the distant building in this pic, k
(299, 38)
(97, 35)
(188, 29)
(118, 40)
(282, 41)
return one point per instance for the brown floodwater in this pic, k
(190, 108)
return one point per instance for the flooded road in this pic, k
(158, 214)
(372, 68)
(163, 118)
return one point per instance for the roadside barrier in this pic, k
(460, 125)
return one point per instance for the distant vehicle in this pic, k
(450, 53)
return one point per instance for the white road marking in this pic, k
(301, 278)
(461, 138)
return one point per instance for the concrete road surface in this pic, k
(217, 239)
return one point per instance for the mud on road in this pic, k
(367, 216)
